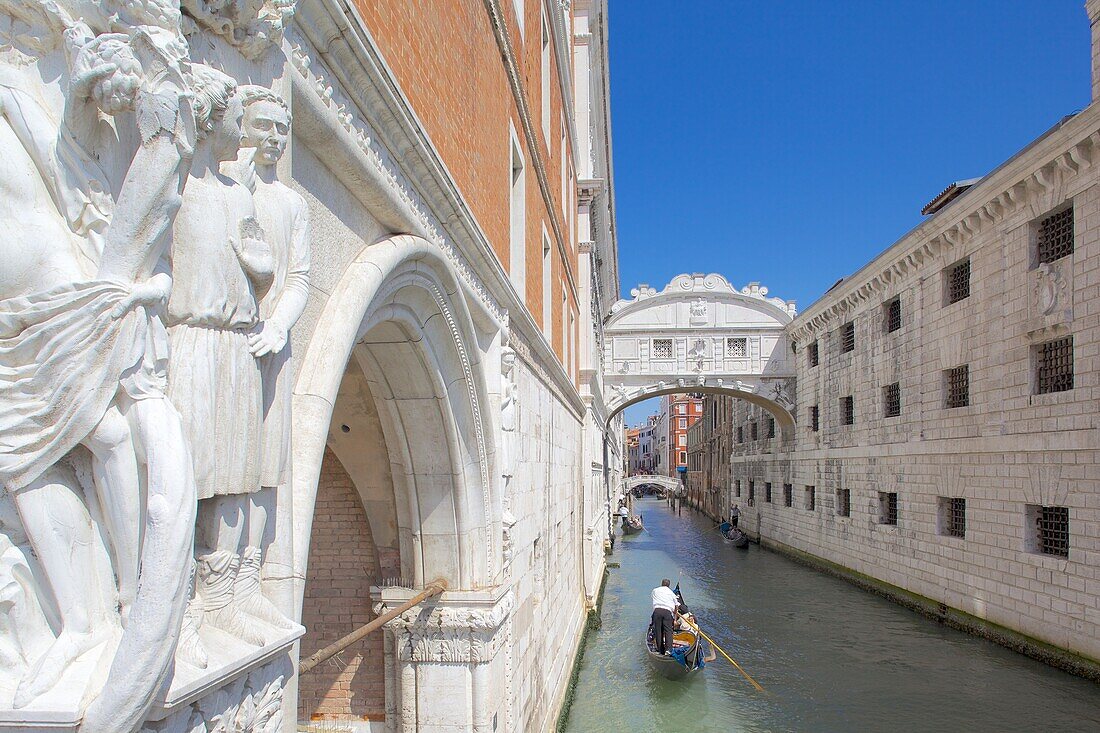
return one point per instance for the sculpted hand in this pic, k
(151, 294)
(269, 339)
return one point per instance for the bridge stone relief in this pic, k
(701, 334)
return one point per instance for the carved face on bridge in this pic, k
(266, 128)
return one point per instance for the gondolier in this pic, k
(665, 604)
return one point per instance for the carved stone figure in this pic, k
(82, 346)
(509, 397)
(698, 312)
(221, 268)
(284, 217)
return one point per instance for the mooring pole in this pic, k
(433, 589)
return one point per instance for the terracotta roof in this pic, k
(948, 195)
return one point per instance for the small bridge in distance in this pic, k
(665, 482)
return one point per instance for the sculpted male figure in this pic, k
(83, 357)
(221, 267)
(284, 217)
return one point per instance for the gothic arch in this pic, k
(397, 319)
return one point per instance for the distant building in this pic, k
(678, 413)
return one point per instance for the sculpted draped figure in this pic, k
(285, 220)
(87, 434)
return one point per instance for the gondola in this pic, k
(632, 524)
(689, 652)
(733, 535)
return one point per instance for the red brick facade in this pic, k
(343, 564)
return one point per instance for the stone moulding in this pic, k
(459, 627)
(707, 286)
(992, 201)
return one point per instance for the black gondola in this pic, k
(689, 651)
(632, 524)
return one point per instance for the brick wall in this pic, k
(343, 564)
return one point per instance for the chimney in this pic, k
(1092, 7)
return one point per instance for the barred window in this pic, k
(768, 492)
(887, 507)
(957, 386)
(848, 337)
(952, 516)
(957, 281)
(771, 427)
(891, 400)
(815, 418)
(844, 502)
(811, 498)
(754, 431)
(812, 354)
(1054, 366)
(848, 410)
(1052, 530)
(662, 348)
(752, 492)
(737, 487)
(1054, 237)
(737, 348)
(892, 315)
(740, 434)
(788, 495)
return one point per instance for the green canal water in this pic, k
(830, 656)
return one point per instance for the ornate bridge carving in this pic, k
(700, 334)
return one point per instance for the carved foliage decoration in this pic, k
(449, 633)
(252, 26)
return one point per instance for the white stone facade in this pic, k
(482, 463)
(1007, 450)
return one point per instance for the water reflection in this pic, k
(829, 656)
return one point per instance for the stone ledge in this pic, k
(1042, 651)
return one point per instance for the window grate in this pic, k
(893, 315)
(737, 487)
(1055, 237)
(1054, 366)
(740, 434)
(888, 507)
(958, 281)
(891, 400)
(815, 418)
(955, 521)
(848, 410)
(812, 354)
(662, 348)
(1054, 530)
(771, 427)
(811, 498)
(788, 495)
(848, 337)
(737, 348)
(754, 431)
(958, 386)
(844, 502)
(767, 492)
(752, 492)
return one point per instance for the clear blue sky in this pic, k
(790, 142)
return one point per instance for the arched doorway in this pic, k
(391, 473)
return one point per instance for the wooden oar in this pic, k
(753, 682)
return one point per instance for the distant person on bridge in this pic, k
(665, 604)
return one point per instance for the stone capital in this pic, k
(457, 627)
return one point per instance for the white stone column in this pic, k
(446, 672)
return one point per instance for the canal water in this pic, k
(829, 656)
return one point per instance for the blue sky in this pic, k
(790, 142)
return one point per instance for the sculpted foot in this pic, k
(189, 649)
(50, 666)
(248, 596)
